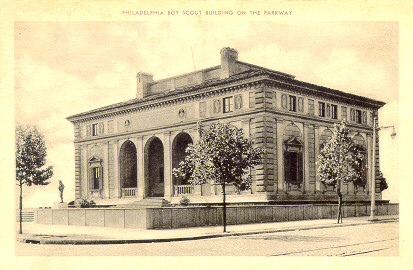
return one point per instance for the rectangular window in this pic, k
(293, 167)
(321, 109)
(94, 129)
(228, 104)
(358, 116)
(293, 104)
(95, 183)
(333, 111)
(252, 99)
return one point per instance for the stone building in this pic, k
(125, 152)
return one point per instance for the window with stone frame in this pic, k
(293, 162)
(333, 111)
(95, 178)
(95, 174)
(328, 110)
(321, 109)
(358, 119)
(228, 104)
(293, 103)
(95, 129)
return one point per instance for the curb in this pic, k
(39, 240)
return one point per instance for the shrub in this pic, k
(383, 182)
(85, 203)
(184, 201)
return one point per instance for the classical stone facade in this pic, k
(125, 152)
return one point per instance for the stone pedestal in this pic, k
(60, 205)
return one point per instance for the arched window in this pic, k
(179, 145)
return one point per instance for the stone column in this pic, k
(106, 171)
(280, 159)
(167, 149)
(306, 161)
(140, 153)
(317, 152)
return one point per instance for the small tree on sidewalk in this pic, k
(340, 161)
(223, 155)
(30, 160)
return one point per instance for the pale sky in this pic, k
(64, 68)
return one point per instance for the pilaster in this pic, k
(280, 159)
(116, 170)
(317, 152)
(140, 163)
(106, 170)
(167, 166)
(306, 161)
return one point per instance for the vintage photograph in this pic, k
(206, 138)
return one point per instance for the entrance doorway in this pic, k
(154, 168)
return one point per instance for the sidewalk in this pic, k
(62, 234)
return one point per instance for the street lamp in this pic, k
(373, 174)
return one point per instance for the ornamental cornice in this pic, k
(312, 93)
(177, 99)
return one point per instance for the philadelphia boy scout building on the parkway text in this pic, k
(125, 152)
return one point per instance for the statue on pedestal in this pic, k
(61, 188)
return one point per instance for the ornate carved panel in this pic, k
(202, 109)
(284, 101)
(301, 104)
(217, 106)
(238, 102)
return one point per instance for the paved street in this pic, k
(377, 239)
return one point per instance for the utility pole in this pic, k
(373, 173)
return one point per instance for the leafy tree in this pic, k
(223, 155)
(340, 161)
(30, 160)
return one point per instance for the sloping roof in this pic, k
(279, 77)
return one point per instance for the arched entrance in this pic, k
(179, 145)
(128, 169)
(154, 168)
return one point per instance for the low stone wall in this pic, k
(181, 217)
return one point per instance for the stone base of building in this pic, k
(241, 199)
(181, 217)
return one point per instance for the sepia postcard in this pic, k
(192, 134)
